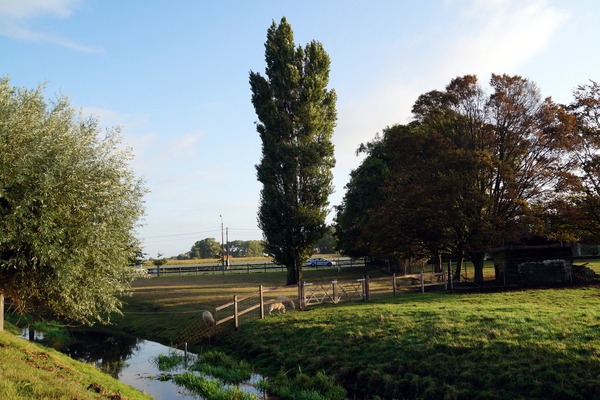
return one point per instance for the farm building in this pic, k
(517, 265)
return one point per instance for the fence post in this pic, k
(367, 295)
(422, 283)
(1, 312)
(394, 283)
(235, 313)
(335, 297)
(262, 302)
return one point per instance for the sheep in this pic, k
(276, 306)
(208, 318)
(281, 306)
(289, 303)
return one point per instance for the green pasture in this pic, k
(523, 343)
(161, 307)
(528, 344)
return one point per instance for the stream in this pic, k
(128, 359)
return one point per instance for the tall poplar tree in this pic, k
(297, 116)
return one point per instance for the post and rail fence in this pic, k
(253, 306)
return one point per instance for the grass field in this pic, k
(211, 261)
(540, 344)
(532, 344)
(162, 307)
(180, 299)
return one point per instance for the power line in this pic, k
(180, 234)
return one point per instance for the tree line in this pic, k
(476, 169)
(211, 248)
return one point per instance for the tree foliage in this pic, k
(296, 115)
(466, 173)
(69, 205)
(206, 248)
(326, 245)
(364, 196)
(584, 204)
(246, 248)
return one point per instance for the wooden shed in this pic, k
(516, 265)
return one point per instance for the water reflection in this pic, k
(106, 351)
(128, 359)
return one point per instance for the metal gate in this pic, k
(333, 292)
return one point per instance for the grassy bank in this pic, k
(31, 371)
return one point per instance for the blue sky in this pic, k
(174, 76)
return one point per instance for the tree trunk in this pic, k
(291, 275)
(459, 265)
(438, 264)
(478, 259)
(294, 273)
(1, 312)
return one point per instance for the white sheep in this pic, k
(208, 318)
(281, 306)
(276, 306)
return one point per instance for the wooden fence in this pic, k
(253, 306)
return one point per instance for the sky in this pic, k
(175, 77)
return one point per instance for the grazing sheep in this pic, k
(276, 306)
(289, 303)
(208, 318)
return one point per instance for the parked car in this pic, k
(318, 261)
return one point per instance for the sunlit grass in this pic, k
(31, 371)
(543, 343)
(211, 389)
(161, 308)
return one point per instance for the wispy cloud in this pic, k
(497, 36)
(33, 8)
(15, 17)
(111, 118)
(504, 35)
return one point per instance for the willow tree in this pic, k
(297, 116)
(69, 206)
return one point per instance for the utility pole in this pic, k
(222, 247)
(227, 245)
